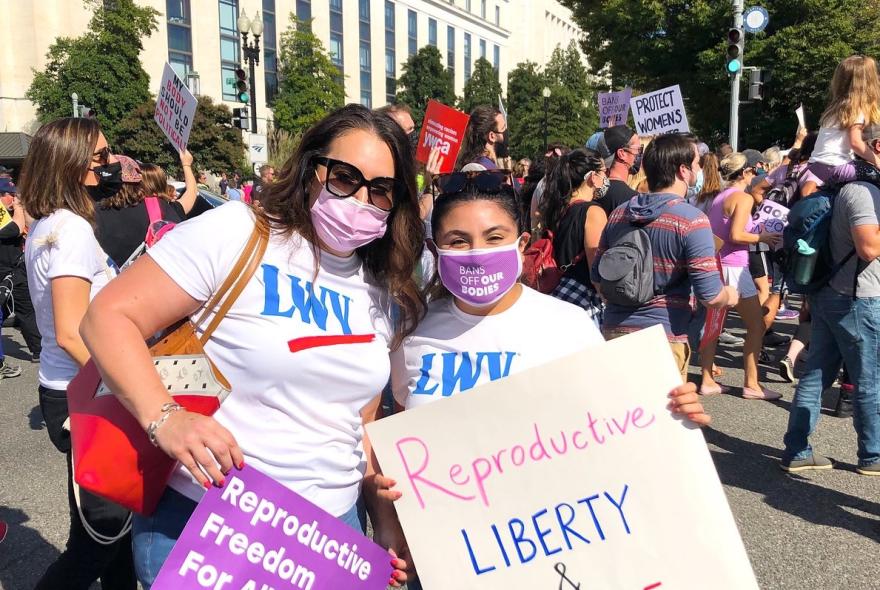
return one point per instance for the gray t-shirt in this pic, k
(858, 203)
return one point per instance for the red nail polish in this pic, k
(392, 581)
(207, 485)
(241, 465)
(220, 484)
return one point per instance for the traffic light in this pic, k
(756, 84)
(735, 50)
(241, 118)
(241, 86)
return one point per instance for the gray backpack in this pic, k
(626, 269)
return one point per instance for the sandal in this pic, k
(717, 372)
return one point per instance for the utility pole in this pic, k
(735, 80)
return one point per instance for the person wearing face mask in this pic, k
(625, 146)
(681, 243)
(571, 211)
(731, 221)
(485, 139)
(304, 347)
(68, 168)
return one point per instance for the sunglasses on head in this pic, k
(344, 180)
(484, 181)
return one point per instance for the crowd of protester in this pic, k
(643, 231)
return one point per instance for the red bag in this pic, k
(540, 271)
(112, 455)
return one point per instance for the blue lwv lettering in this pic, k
(311, 307)
(461, 373)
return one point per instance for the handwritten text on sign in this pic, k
(614, 107)
(255, 534)
(603, 489)
(175, 109)
(770, 216)
(661, 111)
(443, 128)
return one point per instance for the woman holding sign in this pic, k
(305, 346)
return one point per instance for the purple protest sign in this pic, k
(255, 534)
(614, 108)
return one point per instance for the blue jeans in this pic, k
(153, 537)
(845, 330)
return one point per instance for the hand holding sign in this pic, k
(442, 129)
(175, 109)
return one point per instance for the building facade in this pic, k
(369, 41)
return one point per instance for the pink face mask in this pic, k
(346, 224)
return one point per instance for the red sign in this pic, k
(443, 128)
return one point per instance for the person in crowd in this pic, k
(69, 167)
(224, 183)
(731, 221)
(773, 157)
(797, 168)
(521, 170)
(708, 189)
(845, 328)
(202, 181)
(5, 172)
(13, 274)
(625, 146)
(401, 113)
(724, 149)
(681, 243)
(267, 176)
(485, 139)
(855, 103)
(122, 219)
(853, 170)
(572, 211)
(344, 221)
(554, 152)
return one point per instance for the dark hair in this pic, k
(481, 123)
(390, 260)
(505, 198)
(551, 161)
(52, 172)
(711, 178)
(663, 157)
(569, 174)
(397, 107)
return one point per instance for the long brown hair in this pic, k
(712, 183)
(390, 260)
(52, 172)
(154, 183)
(855, 90)
(476, 136)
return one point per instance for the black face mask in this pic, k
(502, 148)
(414, 140)
(636, 165)
(109, 181)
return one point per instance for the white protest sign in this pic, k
(770, 216)
(573, 474)
(175, 109)
(802, 121)
(614, 108)
(661, 111)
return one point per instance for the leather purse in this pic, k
(112, 455)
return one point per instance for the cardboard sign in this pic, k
(5, 216)
(661, 111)
(802, 119)
(595, 485)
(443, 127)
(614, 108)
(255, 534)
(770, 216)
(175, 109)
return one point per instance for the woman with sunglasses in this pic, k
(479, 310)
(68, 168)
(306, 345)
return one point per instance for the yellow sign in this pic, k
(5, 217)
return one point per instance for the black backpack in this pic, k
(626, 269)
(786, 193)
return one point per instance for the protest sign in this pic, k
(770, 216)
(255, 534)
(802, 120)
(614, 108)
(175, 109)
(5, 217)
(661, 111)
(595, 486)
(442, 127)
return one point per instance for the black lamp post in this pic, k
(546, 94)
(251, 52)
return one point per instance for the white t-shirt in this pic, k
(833, 146)
(62, 244)
(295, 415)
(451, 351)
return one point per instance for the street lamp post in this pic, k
(193, 82)
(251, 52)
(546, 94)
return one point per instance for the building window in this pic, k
(412, 31)
(229, 48)
(496, 58)
(365, 54)
(336, 45)
(483, 48)
(497, 16)
(483, 9)
(432, 32)
(390, 54)
(467, 57)
(270, 50)
(304, 12)
(179, 37)
(450, 51)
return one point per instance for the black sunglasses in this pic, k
(103, 155)
(484, 181)
(343, 180)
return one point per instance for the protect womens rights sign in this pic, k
(661, 111)
(614, 108)
(175, 109)
(255, 534)
(594, 485)
(443, 128)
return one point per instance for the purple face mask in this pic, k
(346, 224)
(480, 277)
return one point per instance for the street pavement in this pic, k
(812, 531)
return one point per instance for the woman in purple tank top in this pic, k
(731, 218)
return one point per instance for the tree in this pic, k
(424, 78)
(213, 142)
(649, 45)
(102, 66)
(482, 88)
(309, 85)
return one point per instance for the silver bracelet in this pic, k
(167, 409)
